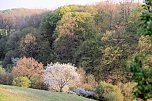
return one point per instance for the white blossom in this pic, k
(59, 75)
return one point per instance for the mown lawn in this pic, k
(12, 93)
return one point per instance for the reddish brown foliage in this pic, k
(27, 67)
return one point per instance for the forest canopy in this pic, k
(107, 42)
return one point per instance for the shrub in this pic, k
(87, 81)
(37, 82)
(88, 87)
(72, 86)
(2, 70)
(109, 92)
(127, 89)
(142, 76)
(5, 78)
(91, 80)
(21, 82)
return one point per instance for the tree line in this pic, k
(91, 37)
(101, 40)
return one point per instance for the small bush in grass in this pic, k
(21, 82)
(72, 86)
(5, 77)
(109, 92)
(37, 82)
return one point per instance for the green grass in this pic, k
(12, 93)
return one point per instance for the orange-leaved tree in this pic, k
(27, 67)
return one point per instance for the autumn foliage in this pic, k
(27, 67)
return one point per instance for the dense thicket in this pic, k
(141, 62)
(97, 38)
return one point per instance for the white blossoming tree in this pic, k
(57, 75)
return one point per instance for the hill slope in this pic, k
(12, 93)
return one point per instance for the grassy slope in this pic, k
(12, 93)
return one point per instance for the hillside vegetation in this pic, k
(101, 51)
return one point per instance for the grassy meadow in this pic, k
(12, 93)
